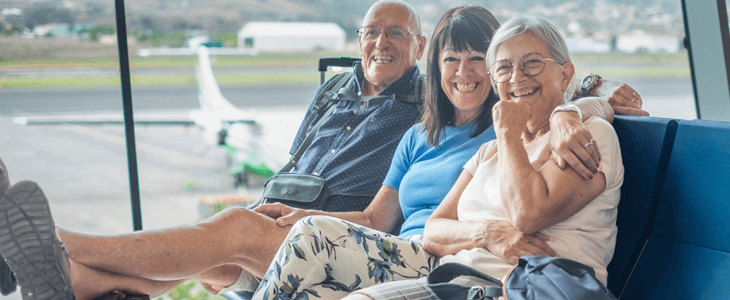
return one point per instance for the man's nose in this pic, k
(382, 41)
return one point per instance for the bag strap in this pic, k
(307, 141)
(439, 281)
(326, 97)
(414, 98)
(325, 101)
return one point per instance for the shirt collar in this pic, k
(402, 86)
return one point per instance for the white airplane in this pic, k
(223, 124)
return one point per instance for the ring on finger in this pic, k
(588, 144)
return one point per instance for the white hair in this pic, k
(543, 30)
(416, 21)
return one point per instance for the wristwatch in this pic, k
(590, 81)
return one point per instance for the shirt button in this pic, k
(348, 128)
(315, 174)
(332, 151)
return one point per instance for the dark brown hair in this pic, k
(460, 28)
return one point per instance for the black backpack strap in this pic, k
(307, 141)
(415, 98)
(327, 97)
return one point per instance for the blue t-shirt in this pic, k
(424, 174)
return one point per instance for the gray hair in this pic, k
(415, 19)
(543, 30)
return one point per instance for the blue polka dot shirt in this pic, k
(354, 147)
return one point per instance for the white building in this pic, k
(292, 36)
(586, 45)
(639, 40)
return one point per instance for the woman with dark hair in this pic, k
(327, 257)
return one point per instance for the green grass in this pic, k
(190, 290)
(657, 65)
(644, 59)
(157, 80)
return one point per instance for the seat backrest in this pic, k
(645, 147)
(687, 255)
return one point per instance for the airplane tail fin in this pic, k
(209, 94)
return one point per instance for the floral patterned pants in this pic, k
(328, 258)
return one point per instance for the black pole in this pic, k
(128, 118)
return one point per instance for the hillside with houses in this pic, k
(588, 25)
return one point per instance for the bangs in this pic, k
(462, 34)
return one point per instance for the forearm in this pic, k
(522, 188)
(443, 236)
(595, 107)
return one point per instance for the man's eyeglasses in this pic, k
(532, 64)
(370, 33)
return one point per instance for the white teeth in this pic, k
(524, 92)
(383, 59)
(466, 87)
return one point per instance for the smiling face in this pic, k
(384, 60)
(542, 92)
(464, 79)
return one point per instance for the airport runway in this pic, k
(19, 101)
(83, 170)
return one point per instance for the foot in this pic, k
(29, 243)
(8, 284)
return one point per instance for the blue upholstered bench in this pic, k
(687, 255)
(645, 147)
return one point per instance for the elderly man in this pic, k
(352, 150)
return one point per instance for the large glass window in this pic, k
(54, 64)
(60, 59)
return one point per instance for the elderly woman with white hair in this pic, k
(531, 69)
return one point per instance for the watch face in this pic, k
(588, 81)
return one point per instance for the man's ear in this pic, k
(567, 73)
(421, 46)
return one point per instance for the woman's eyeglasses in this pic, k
(532, 64)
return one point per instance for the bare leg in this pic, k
(235, 236)
(88, 283)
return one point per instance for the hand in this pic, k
(509, 243)
(623, 99)
(571, 142)
(284, 215)
(510, 117)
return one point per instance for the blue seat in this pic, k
(687, 255)
(646, 144)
